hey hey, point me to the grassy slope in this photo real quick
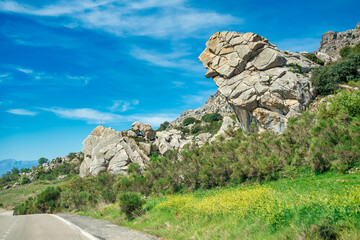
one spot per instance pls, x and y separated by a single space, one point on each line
15 196
305 207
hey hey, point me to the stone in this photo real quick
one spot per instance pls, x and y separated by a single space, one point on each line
131 133
227 123
61 177
16 184
332 42
145 129
108 150
261 83
6 187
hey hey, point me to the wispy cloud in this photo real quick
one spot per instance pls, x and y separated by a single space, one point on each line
169 18
22 112
93 116
123 106
174 59
35 77
25 70
89 115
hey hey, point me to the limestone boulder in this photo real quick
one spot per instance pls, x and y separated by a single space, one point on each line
108 150
145 129
261 83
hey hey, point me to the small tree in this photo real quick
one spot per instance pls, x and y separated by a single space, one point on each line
43 160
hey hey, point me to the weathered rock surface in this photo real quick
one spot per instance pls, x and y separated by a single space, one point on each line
108 150
216 103
227 123
332 42
144 129
263 84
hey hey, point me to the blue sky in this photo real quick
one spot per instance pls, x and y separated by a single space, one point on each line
67 66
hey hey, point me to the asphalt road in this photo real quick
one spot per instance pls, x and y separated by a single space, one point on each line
38 227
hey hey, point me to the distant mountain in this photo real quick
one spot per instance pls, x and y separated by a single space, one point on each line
8 164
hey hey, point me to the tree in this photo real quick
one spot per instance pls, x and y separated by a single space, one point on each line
43 160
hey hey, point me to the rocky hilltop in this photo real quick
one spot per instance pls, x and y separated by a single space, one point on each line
332 42
216 103
263 85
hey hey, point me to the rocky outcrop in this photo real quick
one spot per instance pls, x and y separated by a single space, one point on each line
262 84
332 42
144 130
216 103
108 150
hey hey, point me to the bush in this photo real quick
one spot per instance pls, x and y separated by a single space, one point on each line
163 126
131 204
24 180
188 121
314 58
212 117
43 160
183 130
195 129
345 51
345 101
326 79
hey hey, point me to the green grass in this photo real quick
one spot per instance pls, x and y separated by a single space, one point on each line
307 207
15 196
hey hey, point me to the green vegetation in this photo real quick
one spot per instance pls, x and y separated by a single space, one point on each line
212 117
163 126
131 204
346 51
326 79
188 121
295 68
303 184
43 160
314 58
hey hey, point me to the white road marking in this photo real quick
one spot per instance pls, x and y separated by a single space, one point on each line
83 232
9 230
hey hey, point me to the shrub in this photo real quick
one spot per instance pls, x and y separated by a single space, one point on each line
163 126
345 51
314 58
24 180
195 129
188 121
212 117
183 129
43 160
327 78
131 204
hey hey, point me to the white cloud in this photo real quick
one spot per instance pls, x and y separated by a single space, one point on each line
175 59
22 112
171 18
93 116
25 70
89 115
123 106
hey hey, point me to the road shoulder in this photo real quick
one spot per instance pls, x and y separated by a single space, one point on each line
102 229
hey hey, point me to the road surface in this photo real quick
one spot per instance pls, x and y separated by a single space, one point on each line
63 227
38 227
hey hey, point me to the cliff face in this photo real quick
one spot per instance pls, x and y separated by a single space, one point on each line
263 84
332 42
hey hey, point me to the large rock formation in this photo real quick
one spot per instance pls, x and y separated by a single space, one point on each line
332 42
108 150
261 83
215 103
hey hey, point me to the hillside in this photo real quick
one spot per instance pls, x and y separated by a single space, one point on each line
284 165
